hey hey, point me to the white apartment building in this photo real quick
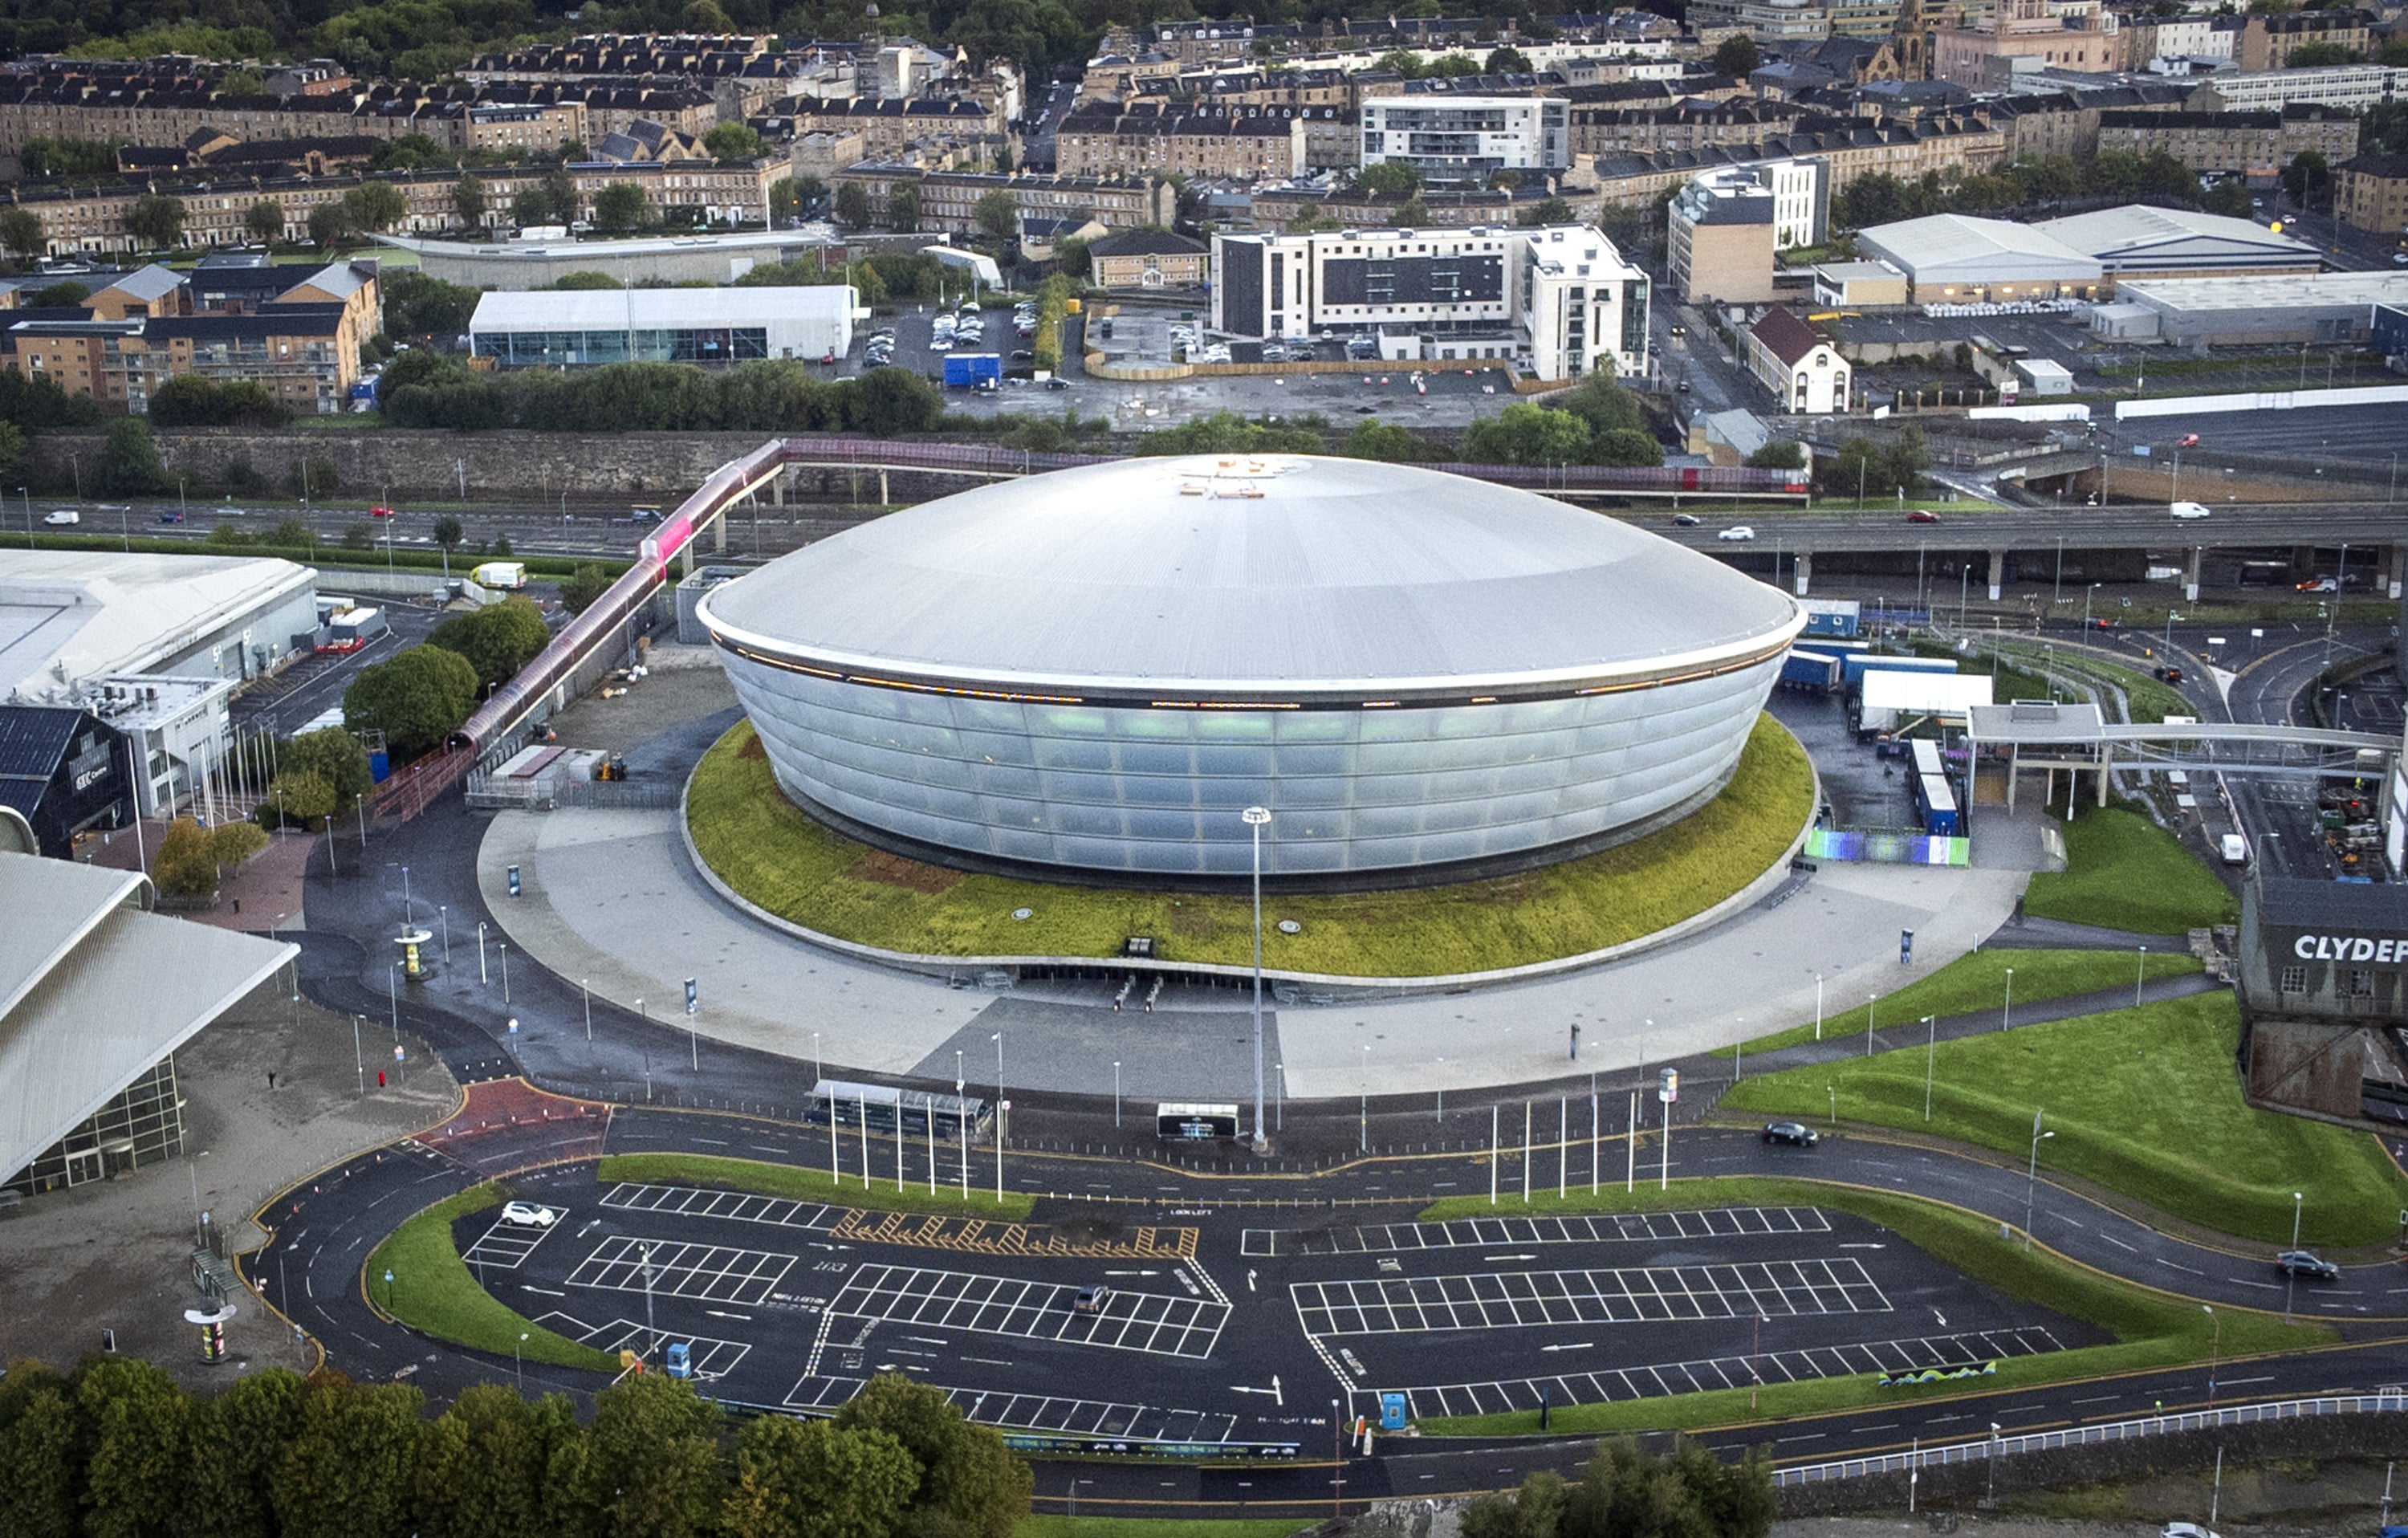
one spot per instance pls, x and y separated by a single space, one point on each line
1468 138
1558 299
2354 86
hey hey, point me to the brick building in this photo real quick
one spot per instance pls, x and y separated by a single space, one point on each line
2371 193
2255 145
1239 143
949 199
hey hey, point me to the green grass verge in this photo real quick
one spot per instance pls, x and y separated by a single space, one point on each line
774 855
434 1291
2123 872
2146 701
805 1184
2143 1101
1979 981
2151 1329
1152 1527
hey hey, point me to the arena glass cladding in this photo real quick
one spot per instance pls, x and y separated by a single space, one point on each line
1097 669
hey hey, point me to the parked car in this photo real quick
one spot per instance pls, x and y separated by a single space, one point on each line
526 1214
1090 1300
1794 1134
2304 1263
2183 1529
1736 533
1057 383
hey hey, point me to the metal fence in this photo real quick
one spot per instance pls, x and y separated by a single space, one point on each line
2386 1402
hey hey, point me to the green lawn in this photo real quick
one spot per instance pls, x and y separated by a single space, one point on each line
2151 1329
2143 1101
2123 872
767 849
1978 981
433 1291
2146 700
803 1184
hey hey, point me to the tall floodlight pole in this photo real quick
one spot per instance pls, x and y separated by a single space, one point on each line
1255 817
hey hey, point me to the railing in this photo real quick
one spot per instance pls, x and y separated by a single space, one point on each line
2387 1401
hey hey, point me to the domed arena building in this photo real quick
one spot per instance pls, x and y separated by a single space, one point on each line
1092 673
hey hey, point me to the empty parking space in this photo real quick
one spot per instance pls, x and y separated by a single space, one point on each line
735 1206
1604 1385
1481 1232
1146 1322
711 1273
711 1358
504 1247
1056 1414
1635 1295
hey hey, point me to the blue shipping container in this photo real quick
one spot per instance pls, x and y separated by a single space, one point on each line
1804 670
964 370
1856 667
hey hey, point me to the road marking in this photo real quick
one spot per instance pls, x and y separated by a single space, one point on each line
2118 1243
2177 1265
2099 1398
530 1286
723 1314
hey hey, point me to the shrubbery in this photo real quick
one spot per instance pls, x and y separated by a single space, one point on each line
779 396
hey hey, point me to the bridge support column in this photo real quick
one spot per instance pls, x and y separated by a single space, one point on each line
2398 573
685 559
2191 573
1802 571
719 535
778 488
1998 570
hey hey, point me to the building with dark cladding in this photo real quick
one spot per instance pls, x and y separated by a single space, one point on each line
64 771
2323 983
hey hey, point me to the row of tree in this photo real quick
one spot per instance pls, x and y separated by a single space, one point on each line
425 390
2111 176
1623 1492
115 1449
420 697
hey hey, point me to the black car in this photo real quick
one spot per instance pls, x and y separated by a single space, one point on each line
1057 383
1795 1134
1090 1300
2302 1263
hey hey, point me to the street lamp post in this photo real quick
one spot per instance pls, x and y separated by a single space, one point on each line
2215 1349
1870 999
2007 1005
1930 1056
1254 817
2291 1277
1116 1093
2140 975
443 911
1818 1006
585 986
1363 1116
2031 1177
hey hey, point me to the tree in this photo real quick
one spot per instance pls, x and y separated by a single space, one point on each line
1600 401
196 400
334 756
483 1466
129 465
903 206
469 200
531 207
1523 434
448 532
21 232
852 204
619 205
156 220
295 798
237 1441
810 1479
786 200
733 140
1413 212
1390 179
374 206
265 219
417 305
649 1467
997 214
185 868
2319 55
1624 446
2309 175
65 294
1737 56
136 1426
1782 453
1507 60
12 452
39 1457
347 1470
330 225
497 639
1550 210
966 1475
416 699
564 200
578 590
1384 441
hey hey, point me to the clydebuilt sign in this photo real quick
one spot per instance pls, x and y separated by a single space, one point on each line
2387 951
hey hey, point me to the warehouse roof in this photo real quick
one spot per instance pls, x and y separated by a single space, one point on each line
1943 246
66 616
93 990
1280 572
603 310
2136 238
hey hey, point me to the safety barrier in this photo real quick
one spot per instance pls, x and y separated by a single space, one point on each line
2387 1401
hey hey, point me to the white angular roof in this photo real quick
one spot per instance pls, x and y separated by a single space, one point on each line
1281 572
93 990
70 615
1944 246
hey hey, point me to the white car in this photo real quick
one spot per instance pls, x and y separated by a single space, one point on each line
2190 509
526 1214
2183 1529
62 517
1737 532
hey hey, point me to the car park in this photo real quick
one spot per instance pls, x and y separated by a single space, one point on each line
1737 532
2306 1264
1793 1134
526 1214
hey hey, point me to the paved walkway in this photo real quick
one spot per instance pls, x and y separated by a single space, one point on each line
609 897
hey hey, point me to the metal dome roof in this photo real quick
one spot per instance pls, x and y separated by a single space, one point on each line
1280 572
